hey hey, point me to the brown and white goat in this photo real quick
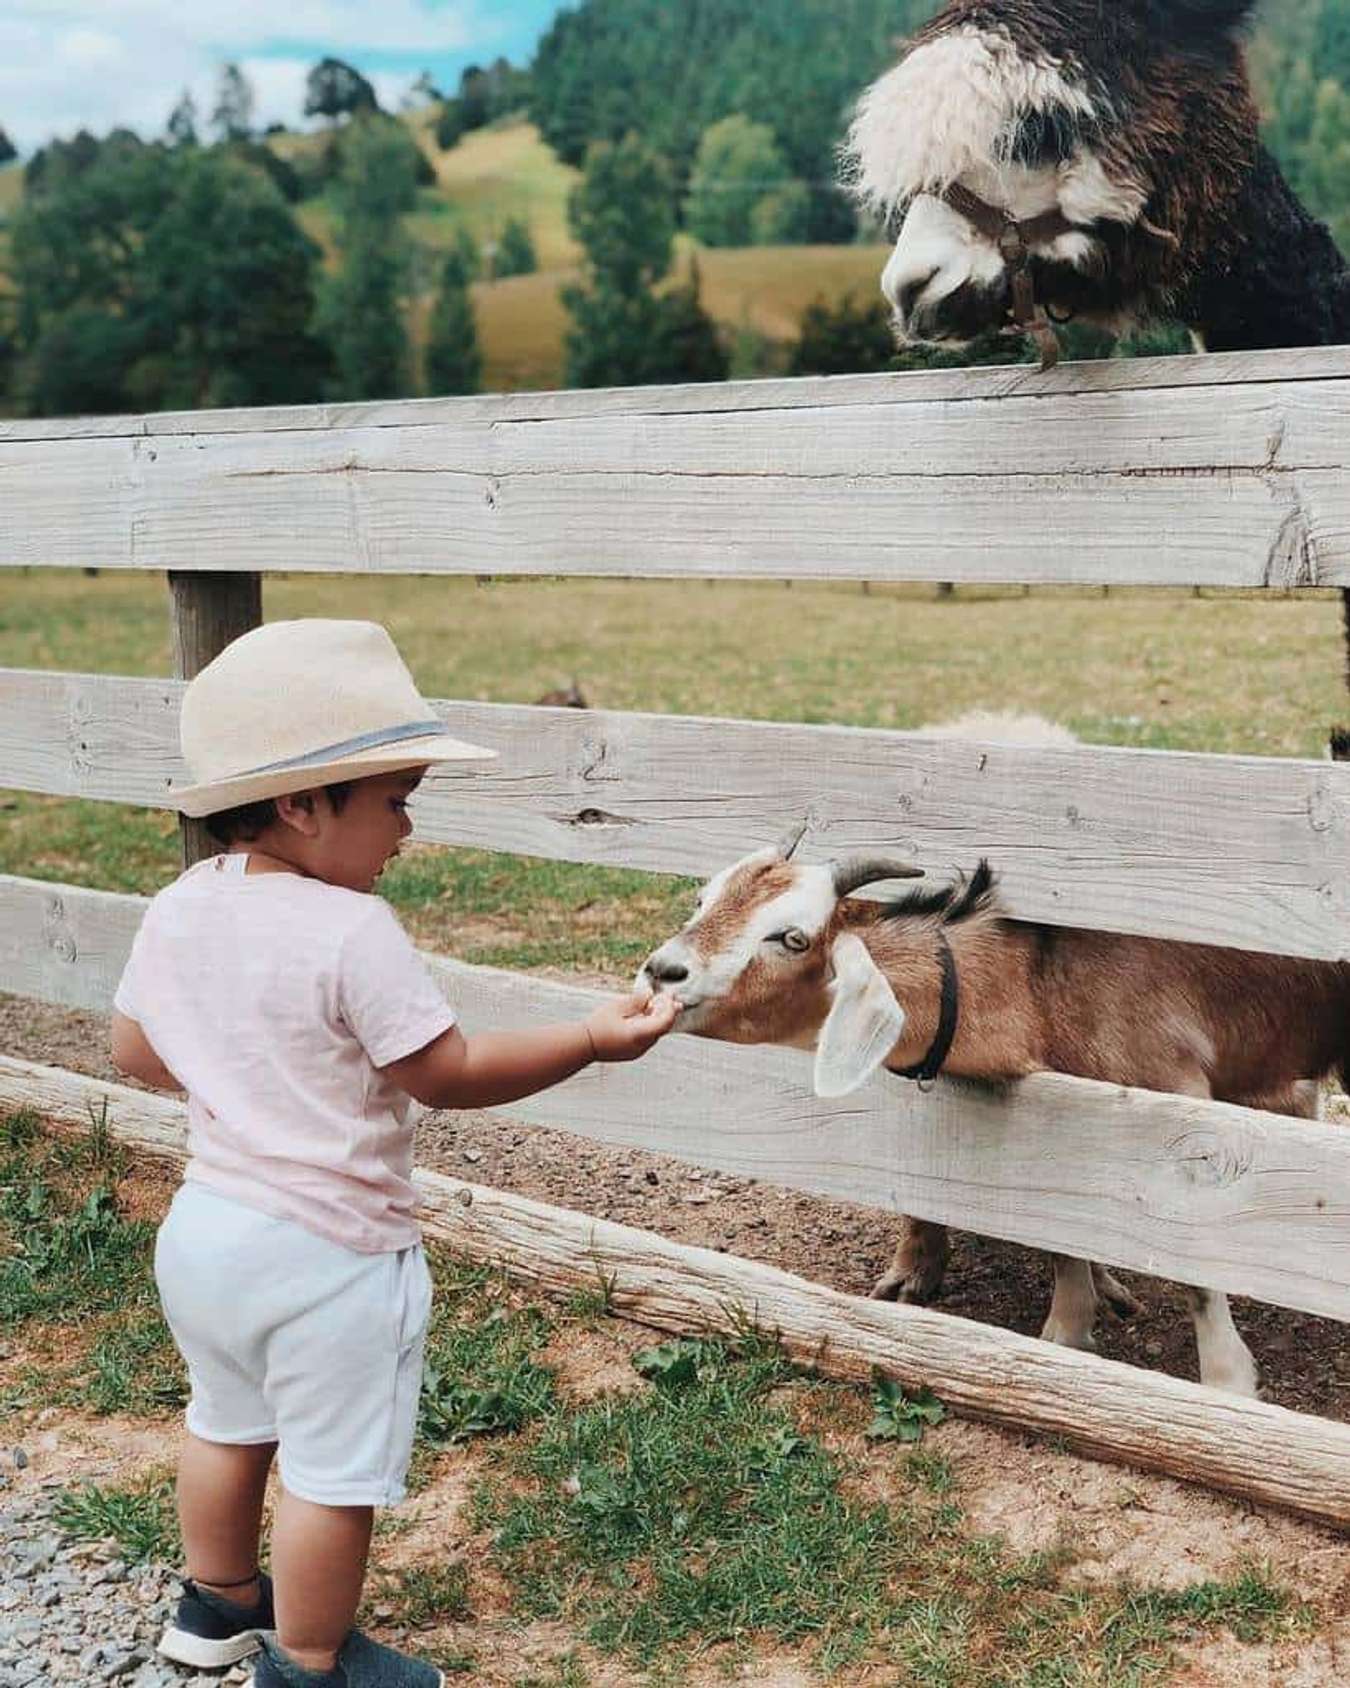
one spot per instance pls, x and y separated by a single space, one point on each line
780 952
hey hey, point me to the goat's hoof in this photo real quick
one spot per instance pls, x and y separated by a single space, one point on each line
1235 1380
1063 1337
909 1289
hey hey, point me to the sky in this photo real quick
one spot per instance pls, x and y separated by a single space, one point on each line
94 64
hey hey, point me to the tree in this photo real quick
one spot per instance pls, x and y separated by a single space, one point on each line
454 363
737 169
8 151
515 251
376 181
423 92
625 333
335 89
363 312
363 321
1326 158
60 161
162 279
844 338
450 126
623 213
182 125
475 98
232 118
782 217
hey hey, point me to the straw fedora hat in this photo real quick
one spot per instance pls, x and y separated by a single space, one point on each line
297 704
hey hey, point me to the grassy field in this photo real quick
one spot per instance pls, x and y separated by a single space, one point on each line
709 1508
1228 673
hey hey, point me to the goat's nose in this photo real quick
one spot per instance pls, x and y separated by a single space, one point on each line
909 292
665 971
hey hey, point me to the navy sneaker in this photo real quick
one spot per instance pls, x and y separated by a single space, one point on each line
362 1663
210 1632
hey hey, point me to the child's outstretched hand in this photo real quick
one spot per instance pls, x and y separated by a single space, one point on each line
628 1026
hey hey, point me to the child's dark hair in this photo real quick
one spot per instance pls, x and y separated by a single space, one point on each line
251 820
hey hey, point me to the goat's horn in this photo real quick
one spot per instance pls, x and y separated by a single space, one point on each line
856 871
787 844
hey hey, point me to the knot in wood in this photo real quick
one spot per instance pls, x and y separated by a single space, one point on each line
56 934
78 717
1208 1160
1321 808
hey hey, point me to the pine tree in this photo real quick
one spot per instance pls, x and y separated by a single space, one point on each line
844 338
233 117
335 89
363 314
182 125
8 151
625 333
515 253
454 363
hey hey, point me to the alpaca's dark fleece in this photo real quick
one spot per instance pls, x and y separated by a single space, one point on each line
1249 267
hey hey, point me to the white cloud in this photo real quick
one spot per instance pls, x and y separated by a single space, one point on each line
67 64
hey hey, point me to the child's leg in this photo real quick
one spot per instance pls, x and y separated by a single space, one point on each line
319 1562
220 1501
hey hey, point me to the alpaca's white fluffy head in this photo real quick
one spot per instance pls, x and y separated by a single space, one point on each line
959 108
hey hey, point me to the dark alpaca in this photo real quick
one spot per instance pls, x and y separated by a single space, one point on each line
1134 120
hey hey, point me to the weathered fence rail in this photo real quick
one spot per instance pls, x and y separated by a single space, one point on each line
1240 850
1124 479
1222 471
1198 1191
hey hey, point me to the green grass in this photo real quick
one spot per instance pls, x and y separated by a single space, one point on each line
140 1518
73 1263
726 1503
704 1513
420 1596
66 1250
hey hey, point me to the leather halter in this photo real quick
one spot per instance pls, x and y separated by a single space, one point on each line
925 1071
1015 240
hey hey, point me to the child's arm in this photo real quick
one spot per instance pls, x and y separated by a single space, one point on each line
492 1068
132 1054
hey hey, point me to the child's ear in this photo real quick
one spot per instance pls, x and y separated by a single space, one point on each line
864 1022
298 809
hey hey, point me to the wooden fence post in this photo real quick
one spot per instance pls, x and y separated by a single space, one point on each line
209 610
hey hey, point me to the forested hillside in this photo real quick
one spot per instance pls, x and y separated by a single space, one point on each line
446 246
672 71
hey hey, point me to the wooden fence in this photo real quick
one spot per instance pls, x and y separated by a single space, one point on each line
1227 471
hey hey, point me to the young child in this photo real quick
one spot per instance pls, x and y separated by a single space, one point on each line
287 1001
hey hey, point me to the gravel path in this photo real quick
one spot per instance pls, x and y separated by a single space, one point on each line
73 1612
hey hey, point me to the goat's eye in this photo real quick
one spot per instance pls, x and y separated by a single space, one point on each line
793 939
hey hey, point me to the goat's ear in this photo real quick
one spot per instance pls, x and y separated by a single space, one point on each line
864 1022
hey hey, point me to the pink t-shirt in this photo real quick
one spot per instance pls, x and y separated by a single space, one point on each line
274 1000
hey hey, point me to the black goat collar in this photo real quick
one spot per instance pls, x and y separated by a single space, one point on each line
948 1016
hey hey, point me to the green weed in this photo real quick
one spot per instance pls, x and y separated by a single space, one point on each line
140 1518
480 1376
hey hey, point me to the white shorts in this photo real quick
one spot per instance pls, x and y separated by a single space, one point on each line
290 1338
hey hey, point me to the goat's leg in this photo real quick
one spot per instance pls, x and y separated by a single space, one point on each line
1073 1311
918 1265
1225 1360
1122 1302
